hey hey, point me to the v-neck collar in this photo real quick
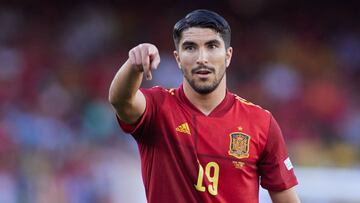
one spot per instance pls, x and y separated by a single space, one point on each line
219 110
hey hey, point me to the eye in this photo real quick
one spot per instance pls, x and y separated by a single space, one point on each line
189 48
212 46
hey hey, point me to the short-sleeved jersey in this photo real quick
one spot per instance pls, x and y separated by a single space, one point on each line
190 157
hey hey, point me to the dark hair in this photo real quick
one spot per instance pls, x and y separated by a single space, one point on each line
204 19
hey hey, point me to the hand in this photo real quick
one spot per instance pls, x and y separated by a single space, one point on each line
145 58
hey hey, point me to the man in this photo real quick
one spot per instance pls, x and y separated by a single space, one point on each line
199 142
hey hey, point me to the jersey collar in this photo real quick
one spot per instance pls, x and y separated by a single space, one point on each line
219 111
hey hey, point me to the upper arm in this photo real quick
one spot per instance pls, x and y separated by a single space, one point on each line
131 111
285 196
275 167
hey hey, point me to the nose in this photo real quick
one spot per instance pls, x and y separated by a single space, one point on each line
202 57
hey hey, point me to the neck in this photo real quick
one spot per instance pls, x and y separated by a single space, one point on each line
206 103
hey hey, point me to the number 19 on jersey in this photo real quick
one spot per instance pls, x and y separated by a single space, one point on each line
212 175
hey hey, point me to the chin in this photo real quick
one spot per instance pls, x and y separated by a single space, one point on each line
204 89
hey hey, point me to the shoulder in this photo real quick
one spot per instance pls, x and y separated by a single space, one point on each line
249 106
158 90
252 111
157 93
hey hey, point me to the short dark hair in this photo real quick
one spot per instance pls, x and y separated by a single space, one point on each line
204 19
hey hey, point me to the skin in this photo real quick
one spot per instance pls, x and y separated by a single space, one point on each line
203 59
285 196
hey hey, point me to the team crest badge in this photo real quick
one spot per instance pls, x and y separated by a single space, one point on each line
239 145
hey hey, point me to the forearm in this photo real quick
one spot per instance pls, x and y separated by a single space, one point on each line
125 84
286 196
124 95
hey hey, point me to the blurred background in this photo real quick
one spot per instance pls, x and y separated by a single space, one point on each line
59 140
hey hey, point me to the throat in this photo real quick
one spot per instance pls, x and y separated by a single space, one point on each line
205 103
205 106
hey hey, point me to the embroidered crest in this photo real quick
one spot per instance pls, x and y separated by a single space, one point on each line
239 145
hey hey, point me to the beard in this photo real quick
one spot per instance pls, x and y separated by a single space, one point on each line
203 86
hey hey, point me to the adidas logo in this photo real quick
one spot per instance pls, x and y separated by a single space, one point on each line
184 128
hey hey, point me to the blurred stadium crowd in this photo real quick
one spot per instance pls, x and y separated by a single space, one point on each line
59 141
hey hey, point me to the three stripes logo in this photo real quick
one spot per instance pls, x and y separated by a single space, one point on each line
184 128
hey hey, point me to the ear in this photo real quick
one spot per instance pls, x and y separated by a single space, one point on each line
228 56
177 57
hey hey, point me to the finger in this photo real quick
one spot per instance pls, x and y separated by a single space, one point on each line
154 58
132 57
137 56
148 75
146 61
155 62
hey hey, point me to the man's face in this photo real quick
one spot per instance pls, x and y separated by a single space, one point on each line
203 58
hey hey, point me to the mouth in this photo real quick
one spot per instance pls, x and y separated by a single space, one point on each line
203 71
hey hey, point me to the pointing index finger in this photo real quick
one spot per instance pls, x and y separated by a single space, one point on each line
155 62
146 62
154 58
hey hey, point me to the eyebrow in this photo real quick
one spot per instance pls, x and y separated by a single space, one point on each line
188 43
215 41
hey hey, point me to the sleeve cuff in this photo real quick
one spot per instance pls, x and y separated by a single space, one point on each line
280 187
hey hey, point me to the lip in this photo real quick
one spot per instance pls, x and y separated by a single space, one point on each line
202 72
203 75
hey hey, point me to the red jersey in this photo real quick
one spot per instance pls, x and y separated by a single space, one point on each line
188 157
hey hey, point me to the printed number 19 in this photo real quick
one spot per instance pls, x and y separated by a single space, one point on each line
211 168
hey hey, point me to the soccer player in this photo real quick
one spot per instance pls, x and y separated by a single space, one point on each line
200 142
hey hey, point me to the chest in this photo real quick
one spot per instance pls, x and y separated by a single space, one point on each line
233 137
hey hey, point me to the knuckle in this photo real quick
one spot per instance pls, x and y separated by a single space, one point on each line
131 52
132 58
